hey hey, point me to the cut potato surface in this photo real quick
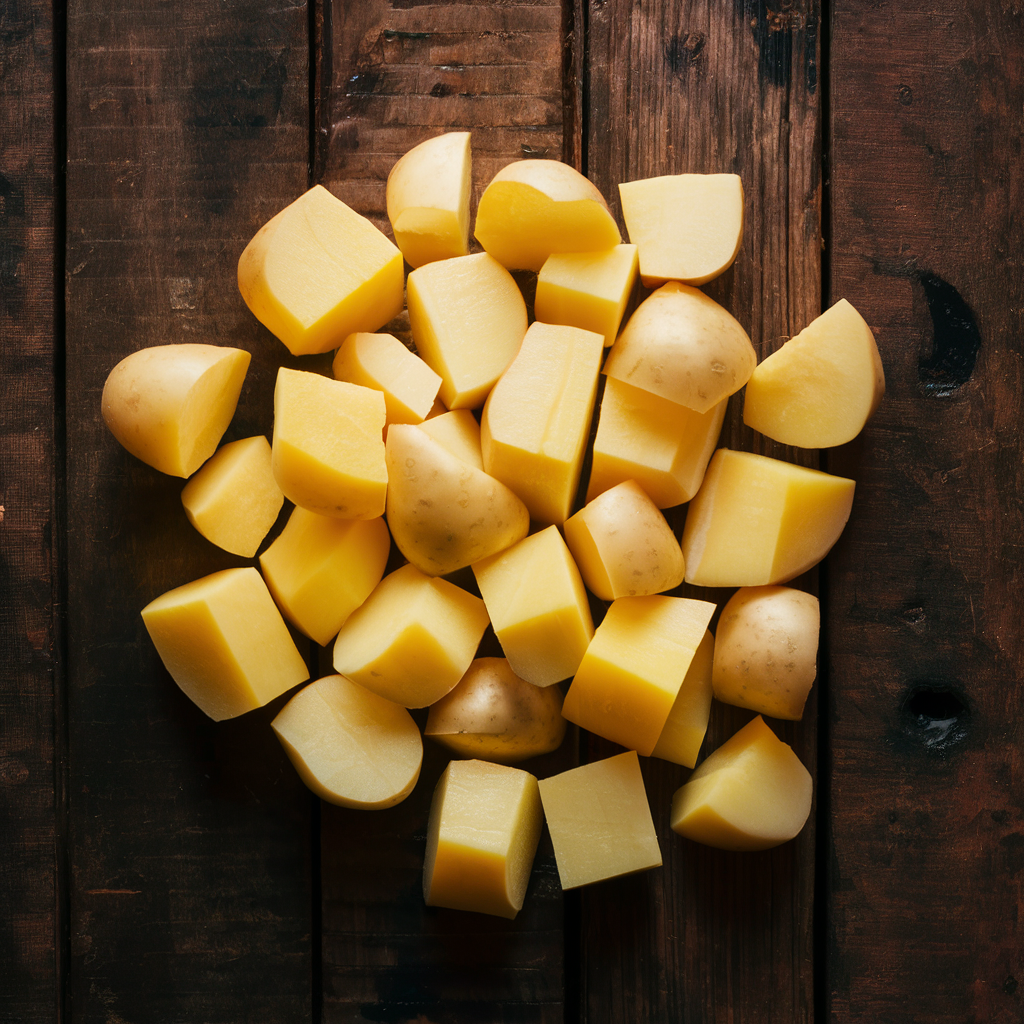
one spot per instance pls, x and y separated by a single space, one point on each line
458 432
687 722
351 747
169 405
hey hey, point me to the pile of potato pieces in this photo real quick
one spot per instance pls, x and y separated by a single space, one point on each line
395 433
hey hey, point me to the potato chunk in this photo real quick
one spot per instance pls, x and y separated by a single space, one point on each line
459 433
687 722
169 405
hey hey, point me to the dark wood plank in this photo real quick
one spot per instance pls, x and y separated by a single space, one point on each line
705 87
30 529
190 840
926 587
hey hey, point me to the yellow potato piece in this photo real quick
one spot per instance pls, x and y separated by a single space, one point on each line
468 319
428 199
538 607
600 821
587 289
413 638
321 569
822 386
766 654
169 405
623 546
328 450
318 272
234 500
633 669
351 747
688 227
752 793
682 345
382 362
459 433
663 446
224 642
482 835
687 722
536 421
533 208
757 520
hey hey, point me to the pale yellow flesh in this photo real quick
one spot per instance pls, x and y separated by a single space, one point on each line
766 651
688 227
320 569
623 545
600 821
318 272
413 639
443 513
169 405
680 344
536 421
687 722
822 386
382 362
351 747
482 835
587 289
458 432
538 606
328 450
758 520
428 195
752 793
234 500
633 669
224 642
665 447
494 715
468 319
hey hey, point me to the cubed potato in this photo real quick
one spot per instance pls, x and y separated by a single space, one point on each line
633 669
318 272
328 450
413 639
758 520
600 821
351 747
587 289
766 654
224 642
688 227
382 362
234 500
468 318
536 421
752 793
428 199
623 545
822 386
459 433
169 405
538 607
533 208
321 569
687 723
665 447
482 835
494 715
684 346
443 513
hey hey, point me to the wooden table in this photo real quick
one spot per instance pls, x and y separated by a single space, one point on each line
158 867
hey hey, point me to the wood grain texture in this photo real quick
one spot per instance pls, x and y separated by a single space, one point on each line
710 88
191 889
927 586
30 528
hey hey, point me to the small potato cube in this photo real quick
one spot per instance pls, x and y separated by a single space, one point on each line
687 724
234 500
482 835
224 642
600 821
321 569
